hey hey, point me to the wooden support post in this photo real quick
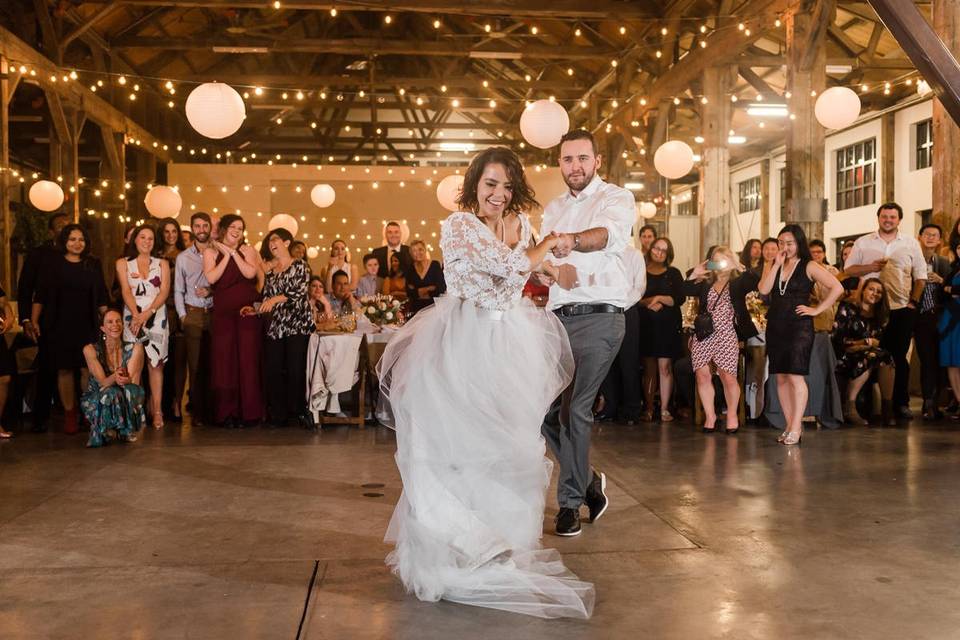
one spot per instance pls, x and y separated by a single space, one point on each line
764 199
806 27
616 163
716 115
67 122
888 155
946 132
146 174
6 250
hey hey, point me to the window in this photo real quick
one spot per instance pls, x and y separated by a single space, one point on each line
783 194
924 144
685 208
749 195
857 175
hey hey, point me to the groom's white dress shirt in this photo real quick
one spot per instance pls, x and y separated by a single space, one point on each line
602 274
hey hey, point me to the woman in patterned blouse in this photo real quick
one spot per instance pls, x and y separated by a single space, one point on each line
285 349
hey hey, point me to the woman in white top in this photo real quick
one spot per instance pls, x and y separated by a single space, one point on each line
145 284
339 262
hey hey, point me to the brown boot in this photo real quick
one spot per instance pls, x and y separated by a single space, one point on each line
886 411
850 415
70 425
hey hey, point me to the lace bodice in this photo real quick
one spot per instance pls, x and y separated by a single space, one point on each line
480 268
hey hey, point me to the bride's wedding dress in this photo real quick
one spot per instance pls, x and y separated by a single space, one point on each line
466 384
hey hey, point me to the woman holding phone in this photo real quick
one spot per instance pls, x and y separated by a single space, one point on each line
790 322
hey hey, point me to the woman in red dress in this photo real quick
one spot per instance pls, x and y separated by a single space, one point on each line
232 268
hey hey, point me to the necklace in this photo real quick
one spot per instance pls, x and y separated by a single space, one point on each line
781 283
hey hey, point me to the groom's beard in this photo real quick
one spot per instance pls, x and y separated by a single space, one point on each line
579 183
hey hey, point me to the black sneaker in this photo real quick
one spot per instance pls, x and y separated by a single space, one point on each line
597 501
904 412
568 522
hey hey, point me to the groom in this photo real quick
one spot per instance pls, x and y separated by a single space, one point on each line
593 220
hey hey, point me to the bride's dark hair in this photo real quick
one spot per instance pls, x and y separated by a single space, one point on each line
523 197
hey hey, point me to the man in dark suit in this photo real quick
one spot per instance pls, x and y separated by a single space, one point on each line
393 234
26 286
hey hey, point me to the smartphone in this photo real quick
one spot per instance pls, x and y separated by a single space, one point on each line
716 265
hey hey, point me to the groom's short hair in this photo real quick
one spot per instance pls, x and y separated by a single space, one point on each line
581 134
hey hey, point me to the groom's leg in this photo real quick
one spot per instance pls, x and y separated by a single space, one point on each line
551 428
595 340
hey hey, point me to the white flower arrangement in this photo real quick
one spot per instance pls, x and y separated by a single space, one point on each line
381 309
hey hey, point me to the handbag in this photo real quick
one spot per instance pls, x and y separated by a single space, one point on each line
703 323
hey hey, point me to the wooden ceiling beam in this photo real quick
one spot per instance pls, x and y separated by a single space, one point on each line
408 83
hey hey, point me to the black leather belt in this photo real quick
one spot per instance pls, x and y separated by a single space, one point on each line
569 310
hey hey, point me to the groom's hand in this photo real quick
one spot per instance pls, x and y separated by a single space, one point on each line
564 245
567 276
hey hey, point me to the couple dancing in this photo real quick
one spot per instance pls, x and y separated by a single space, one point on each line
467 384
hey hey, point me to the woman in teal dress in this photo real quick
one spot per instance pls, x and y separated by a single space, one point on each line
113 403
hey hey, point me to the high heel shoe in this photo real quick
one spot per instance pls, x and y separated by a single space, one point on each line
158 421
730 431
792 437
4 434
712 429
666 416
782 437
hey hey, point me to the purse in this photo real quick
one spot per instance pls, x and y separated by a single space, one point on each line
703 323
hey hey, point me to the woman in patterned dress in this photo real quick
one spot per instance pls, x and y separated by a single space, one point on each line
722 294
113 403
857 328
288 335
790 322
145 284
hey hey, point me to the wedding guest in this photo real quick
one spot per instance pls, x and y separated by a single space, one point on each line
192 297
949 327
845 252
232 268
790 332
769 249
856 341
339 262
661 322
175 370
722 294
393 235
646 235
822 323
8 364
395 284
953 241
752 255
342 300
69 299
49 252
186 237
898 261
145 284
925 333
288 333
298 250
424 279
113 402
369 283
319 304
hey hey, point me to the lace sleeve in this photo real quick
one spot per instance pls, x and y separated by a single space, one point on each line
462 238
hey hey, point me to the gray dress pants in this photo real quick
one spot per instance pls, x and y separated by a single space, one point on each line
595 340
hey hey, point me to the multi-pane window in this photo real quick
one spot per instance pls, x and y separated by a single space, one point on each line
924 147
749 195
857 174
783 194
686 208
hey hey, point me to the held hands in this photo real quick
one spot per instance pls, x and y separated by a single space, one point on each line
247 311
202 292
934 278
122 377
222 248
32 331
564 245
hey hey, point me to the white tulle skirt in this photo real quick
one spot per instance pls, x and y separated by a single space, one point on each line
466 390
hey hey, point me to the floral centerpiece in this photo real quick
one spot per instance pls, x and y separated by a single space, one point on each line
758 310
381 309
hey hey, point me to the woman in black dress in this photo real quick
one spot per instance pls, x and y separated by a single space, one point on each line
8 364
790 322
661 325
74 295
424 278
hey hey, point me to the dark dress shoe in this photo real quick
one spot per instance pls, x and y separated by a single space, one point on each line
568 522
903 412
596 498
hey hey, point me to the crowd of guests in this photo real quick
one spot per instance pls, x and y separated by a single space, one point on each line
887 290
199 310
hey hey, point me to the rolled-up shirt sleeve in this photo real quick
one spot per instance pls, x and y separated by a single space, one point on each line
617 216
179 288
919 264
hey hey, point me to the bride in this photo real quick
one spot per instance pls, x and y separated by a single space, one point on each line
466 384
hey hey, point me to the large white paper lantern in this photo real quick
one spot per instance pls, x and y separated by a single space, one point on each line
837 107
543 123
215 110
647 209
323 195
163 202
448 190
312 252
284 221
46 195
674 159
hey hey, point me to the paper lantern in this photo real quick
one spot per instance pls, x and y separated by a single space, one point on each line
837 107
215 110
674 159
46 195
284 221
323 195
312 252
647 209
448 190
163 202
543 124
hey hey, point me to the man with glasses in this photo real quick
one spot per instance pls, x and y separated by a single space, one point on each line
926 335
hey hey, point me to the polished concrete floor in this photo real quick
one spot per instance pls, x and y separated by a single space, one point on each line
206 533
